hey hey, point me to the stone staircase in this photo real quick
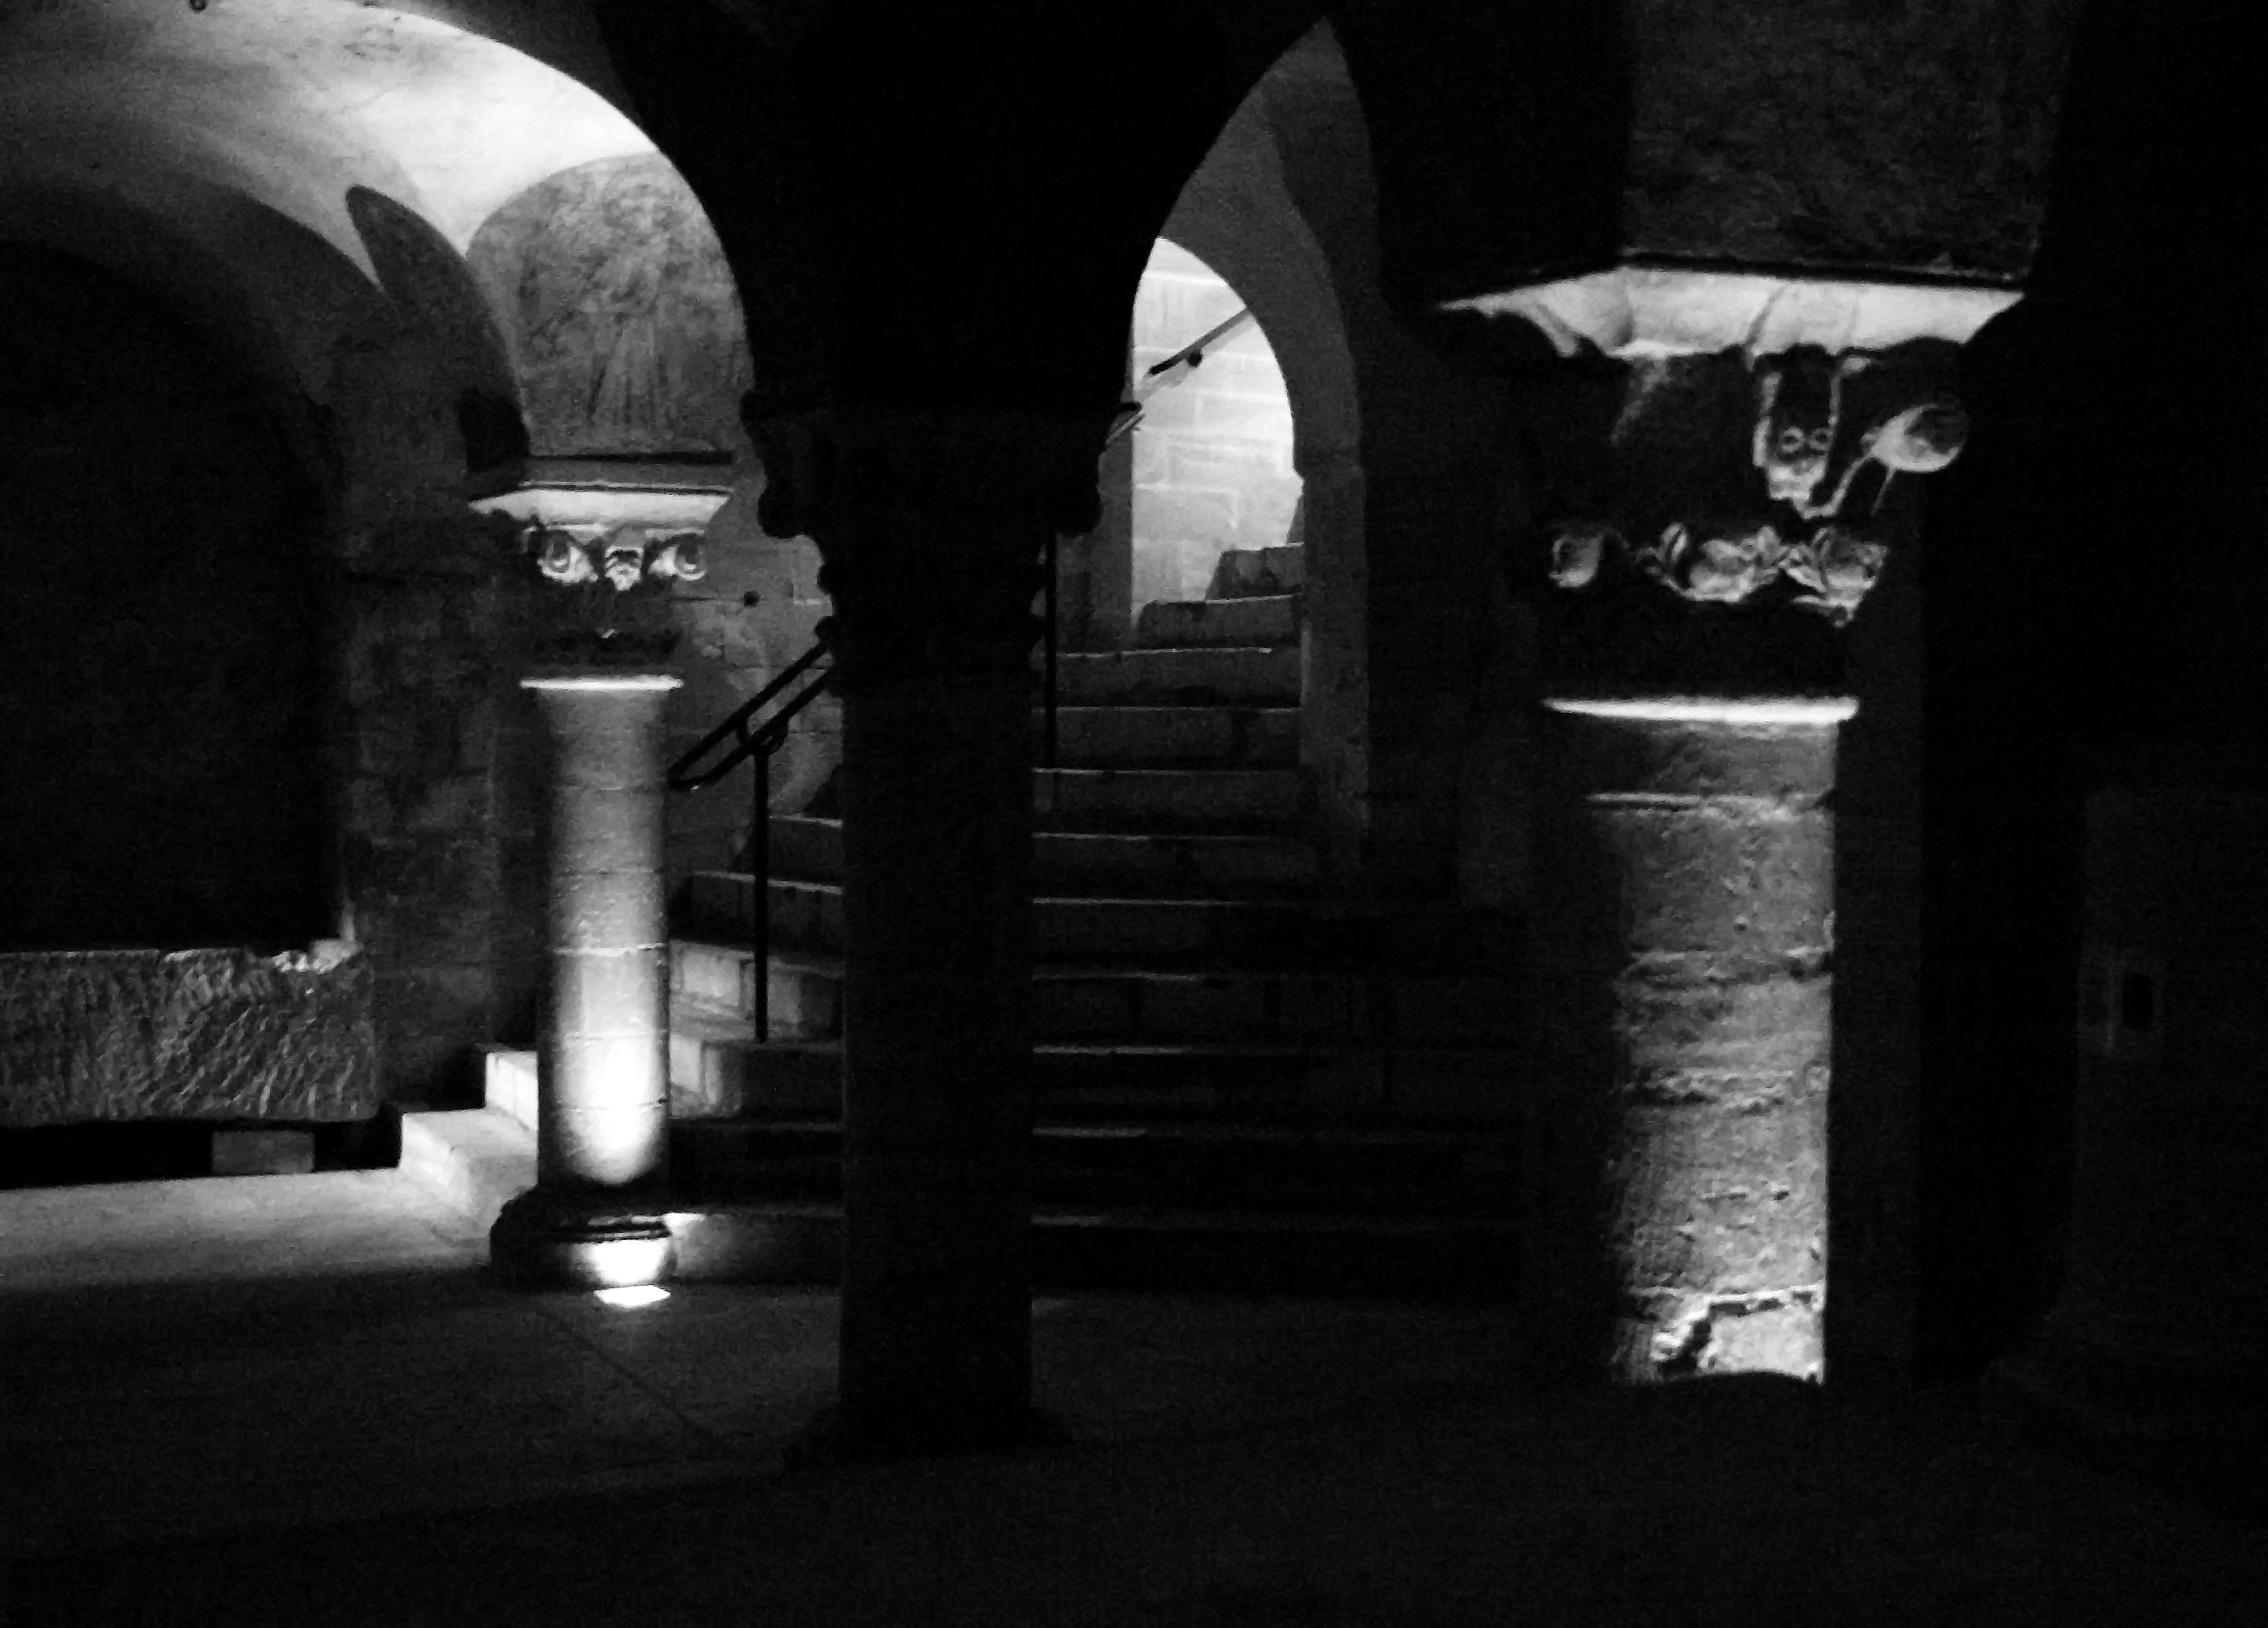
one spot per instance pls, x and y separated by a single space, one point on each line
1239 1084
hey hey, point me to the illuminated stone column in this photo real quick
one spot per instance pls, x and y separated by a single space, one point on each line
1685 905
594 1217
1722 473
608 541
933 526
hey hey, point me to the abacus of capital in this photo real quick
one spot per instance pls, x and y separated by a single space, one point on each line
609 545
1727 471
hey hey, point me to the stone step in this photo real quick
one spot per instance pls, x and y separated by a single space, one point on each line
1243 572
1219 677
1113 863
806 916
1119 1004
1247 1170
475 1159
1238 737
718 1071
1150 800
806 991
1262 620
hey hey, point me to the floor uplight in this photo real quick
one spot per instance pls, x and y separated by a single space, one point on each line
637 1294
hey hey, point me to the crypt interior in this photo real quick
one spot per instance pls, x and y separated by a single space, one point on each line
1526 655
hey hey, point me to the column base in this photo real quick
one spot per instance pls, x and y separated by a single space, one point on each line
546 1240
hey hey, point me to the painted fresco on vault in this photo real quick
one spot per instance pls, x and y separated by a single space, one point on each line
620 311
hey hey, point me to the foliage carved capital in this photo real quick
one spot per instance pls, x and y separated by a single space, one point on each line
1717 519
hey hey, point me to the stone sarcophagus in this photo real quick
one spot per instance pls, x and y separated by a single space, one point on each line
201 1034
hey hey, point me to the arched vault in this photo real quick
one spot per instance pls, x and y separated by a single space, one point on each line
300 175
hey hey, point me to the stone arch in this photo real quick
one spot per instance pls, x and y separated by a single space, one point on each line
1213 449
1236 214
302 182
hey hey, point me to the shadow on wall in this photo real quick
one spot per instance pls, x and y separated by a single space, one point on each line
1212 457
424 277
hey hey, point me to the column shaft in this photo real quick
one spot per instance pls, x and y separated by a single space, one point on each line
934 523
937 817
1684 900
602 1079
603 1072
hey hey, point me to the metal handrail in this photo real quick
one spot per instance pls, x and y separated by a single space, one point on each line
736 728
755 742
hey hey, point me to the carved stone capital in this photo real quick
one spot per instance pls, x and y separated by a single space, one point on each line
614 534
1713 521
621 556
932 523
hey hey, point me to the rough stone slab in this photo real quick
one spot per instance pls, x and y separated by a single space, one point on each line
205 1034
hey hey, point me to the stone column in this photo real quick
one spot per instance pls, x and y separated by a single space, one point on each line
595 1217
602 1072
933 526
1685 901
1721 476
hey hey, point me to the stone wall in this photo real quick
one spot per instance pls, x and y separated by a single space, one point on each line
1212 460
1237 214
438 844
1437 644
750 617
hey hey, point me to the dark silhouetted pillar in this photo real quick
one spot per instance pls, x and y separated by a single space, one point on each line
933 526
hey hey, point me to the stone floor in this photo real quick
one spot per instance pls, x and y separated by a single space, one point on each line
296 1400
